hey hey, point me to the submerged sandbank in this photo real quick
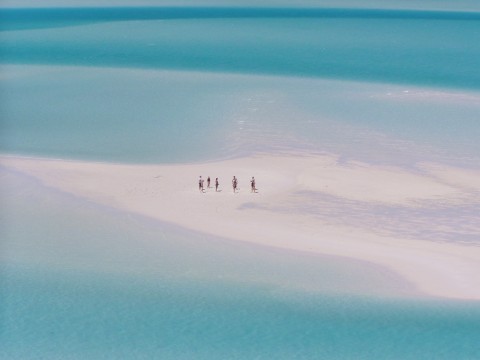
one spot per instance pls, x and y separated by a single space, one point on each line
308 202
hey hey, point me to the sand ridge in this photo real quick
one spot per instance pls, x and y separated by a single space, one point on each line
305 202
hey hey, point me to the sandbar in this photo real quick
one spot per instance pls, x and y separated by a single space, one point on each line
305 202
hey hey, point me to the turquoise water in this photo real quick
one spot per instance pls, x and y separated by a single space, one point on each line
149 116
419 47
60 315
153 85
157 84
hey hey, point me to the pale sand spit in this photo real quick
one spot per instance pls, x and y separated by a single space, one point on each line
305 202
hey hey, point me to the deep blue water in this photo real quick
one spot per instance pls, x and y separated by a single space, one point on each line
433 48
24 18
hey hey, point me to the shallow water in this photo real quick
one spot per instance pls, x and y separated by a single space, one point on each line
106 90
82 281
79 316
149 116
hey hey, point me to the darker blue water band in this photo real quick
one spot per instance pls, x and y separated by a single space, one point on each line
18 16
427 48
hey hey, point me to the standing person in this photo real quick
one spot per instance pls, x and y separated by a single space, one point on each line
200 184
234 184
208 182
252 183
216 184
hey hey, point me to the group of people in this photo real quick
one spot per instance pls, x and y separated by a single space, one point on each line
201 181
201 187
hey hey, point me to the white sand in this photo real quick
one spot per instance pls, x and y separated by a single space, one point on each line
294 207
